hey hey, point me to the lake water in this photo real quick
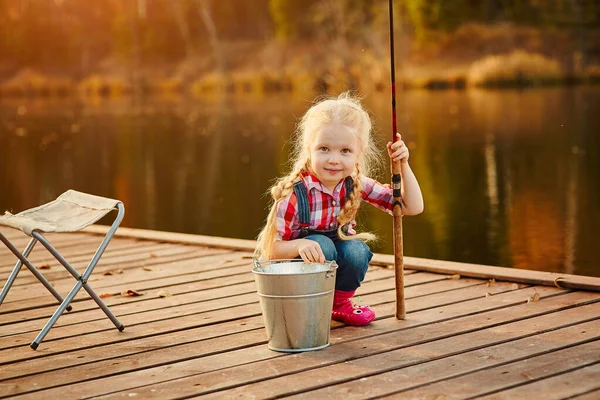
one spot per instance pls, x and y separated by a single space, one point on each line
510 178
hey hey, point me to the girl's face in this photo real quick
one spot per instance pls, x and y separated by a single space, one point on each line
333 154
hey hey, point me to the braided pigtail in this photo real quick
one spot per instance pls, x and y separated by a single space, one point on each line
279 191
348 212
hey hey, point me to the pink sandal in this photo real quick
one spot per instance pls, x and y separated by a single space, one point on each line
345 311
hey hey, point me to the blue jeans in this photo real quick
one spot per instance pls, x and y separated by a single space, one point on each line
351 256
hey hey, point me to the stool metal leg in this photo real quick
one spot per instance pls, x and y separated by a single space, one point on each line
81 279
23 259
36 342
34 345
103 306
15 271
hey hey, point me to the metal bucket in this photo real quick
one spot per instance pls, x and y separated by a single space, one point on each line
296 300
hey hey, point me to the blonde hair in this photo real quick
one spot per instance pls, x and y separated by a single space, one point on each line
346 110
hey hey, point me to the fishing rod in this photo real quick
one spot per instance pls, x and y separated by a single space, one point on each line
396 186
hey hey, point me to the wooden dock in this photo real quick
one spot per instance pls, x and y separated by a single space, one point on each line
196 330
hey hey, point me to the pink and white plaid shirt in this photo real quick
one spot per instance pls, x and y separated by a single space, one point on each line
325 206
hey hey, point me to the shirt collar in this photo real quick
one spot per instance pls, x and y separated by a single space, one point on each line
312 182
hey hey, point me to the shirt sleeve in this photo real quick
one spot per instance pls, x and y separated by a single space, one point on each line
288 224
377 194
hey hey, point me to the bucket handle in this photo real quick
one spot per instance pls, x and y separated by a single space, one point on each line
331 272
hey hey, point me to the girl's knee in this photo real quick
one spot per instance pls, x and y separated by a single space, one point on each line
327 246
356 252
353 261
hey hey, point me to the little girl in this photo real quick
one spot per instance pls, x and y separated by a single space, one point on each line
312 216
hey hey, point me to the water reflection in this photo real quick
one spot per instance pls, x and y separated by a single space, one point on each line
509 178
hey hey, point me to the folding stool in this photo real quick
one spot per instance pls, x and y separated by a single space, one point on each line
70 212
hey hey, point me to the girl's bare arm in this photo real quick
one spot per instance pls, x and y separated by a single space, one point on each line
308 250
412 199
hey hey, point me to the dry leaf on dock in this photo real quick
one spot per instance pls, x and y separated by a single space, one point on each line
164 293
455 276
113 272
45 266
105 295
491 282
131 293
527 375
147 268
534 299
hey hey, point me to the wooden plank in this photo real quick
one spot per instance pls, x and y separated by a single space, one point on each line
68 249
444 267
171 353
101 282
429 371
172 237
156 281
352 361
101 324
61 243
566 281
272 367
247 312
78 390
84 245
593 394
98 322
142 251
123 261
69 254
54 271
229 282
416 291
175 345
520 372
132 262
562 386
222 298
79 262
452 329
58 239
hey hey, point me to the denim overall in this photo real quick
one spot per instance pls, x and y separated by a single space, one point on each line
352 256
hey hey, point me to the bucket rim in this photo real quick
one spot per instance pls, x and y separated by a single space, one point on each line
331 264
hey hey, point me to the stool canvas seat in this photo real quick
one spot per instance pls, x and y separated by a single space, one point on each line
70 212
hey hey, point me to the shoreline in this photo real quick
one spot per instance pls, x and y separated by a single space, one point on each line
260 84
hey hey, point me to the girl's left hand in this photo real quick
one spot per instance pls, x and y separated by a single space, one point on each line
398 150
